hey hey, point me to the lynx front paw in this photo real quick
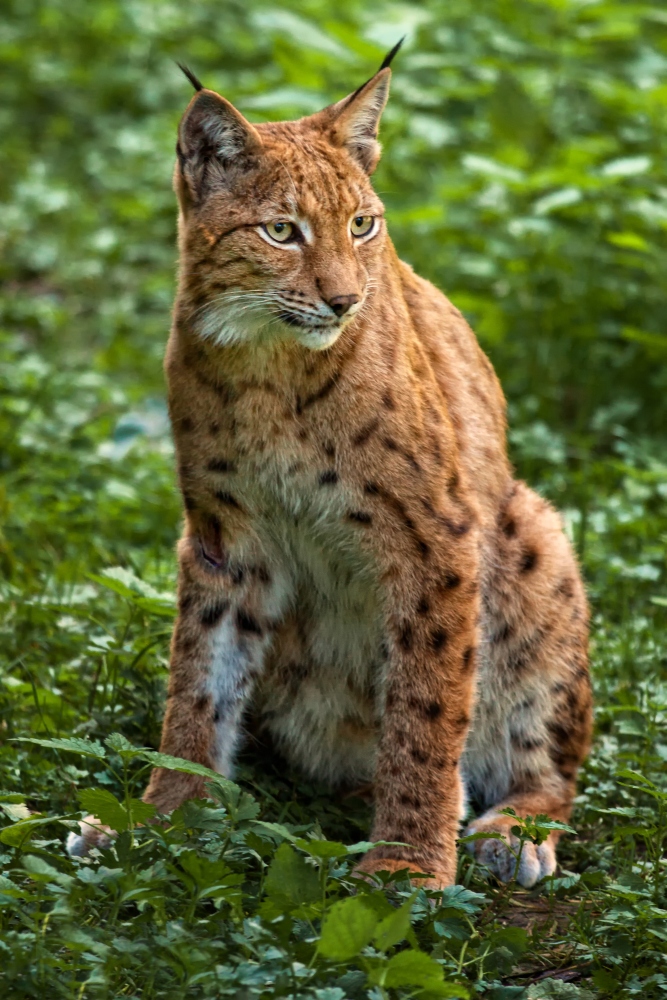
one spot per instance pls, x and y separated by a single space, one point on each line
532 865
371 866
92 834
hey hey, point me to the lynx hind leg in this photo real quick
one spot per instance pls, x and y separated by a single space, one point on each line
533 720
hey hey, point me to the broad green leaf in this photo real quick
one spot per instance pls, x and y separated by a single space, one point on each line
395 927
89 748
347 927
120 744
19 834
290 875
41 871
186 767
415 968
558 990
106 807
322 848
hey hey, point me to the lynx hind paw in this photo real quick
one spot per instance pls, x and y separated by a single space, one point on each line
92 834
535 862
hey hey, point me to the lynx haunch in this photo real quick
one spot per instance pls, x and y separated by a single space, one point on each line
360 576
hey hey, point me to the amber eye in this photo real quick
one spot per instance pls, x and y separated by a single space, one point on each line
281 232
361 225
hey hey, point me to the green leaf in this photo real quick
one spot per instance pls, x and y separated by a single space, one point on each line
415 968
558 990
395 927
120 744
348 926
106 807
89 748
186 767
41 871
290 876
322 848
19 833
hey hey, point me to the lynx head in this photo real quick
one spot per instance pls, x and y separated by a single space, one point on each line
280 230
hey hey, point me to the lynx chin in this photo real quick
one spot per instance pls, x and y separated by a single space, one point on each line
361 580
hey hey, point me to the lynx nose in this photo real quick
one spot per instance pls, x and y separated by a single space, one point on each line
342 303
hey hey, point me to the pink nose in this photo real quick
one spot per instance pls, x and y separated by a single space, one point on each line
342 303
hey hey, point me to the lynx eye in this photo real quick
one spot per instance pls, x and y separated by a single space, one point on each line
281 232
361 225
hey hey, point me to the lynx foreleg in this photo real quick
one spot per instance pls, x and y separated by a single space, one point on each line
428 704
218 651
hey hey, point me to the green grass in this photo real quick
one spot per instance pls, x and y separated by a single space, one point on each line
524 172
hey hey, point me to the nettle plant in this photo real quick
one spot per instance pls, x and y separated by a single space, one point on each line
279 896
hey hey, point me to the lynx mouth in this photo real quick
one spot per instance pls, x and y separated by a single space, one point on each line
291 319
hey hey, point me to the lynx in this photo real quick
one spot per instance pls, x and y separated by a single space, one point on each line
360 577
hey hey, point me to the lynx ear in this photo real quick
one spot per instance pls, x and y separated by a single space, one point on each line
213 139
357 119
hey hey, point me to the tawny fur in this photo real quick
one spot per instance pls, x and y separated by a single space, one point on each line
359 572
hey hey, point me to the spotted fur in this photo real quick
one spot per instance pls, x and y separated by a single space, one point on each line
360 576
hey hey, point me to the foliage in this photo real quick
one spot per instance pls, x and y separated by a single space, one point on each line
524 174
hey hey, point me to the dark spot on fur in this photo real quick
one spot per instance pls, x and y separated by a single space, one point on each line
321 393
433 710
360 516
528 561
438 638
412 801
462 722
509 528
419 756
186 425
503 633
189 502
565 588
223 497
328 449
423 607
202 703
184 643
221 465
213 613
560 732
216 716
328 477
185 602
388 401
237 574
452 580
525 742
247 623
405 637
462 528
213 427
261 573
468 658
362 436
390 444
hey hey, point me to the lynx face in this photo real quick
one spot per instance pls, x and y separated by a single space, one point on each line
282 230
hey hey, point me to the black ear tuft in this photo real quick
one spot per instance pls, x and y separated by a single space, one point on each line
196 83
389 56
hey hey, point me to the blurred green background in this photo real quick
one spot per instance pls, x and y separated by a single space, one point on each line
524 173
